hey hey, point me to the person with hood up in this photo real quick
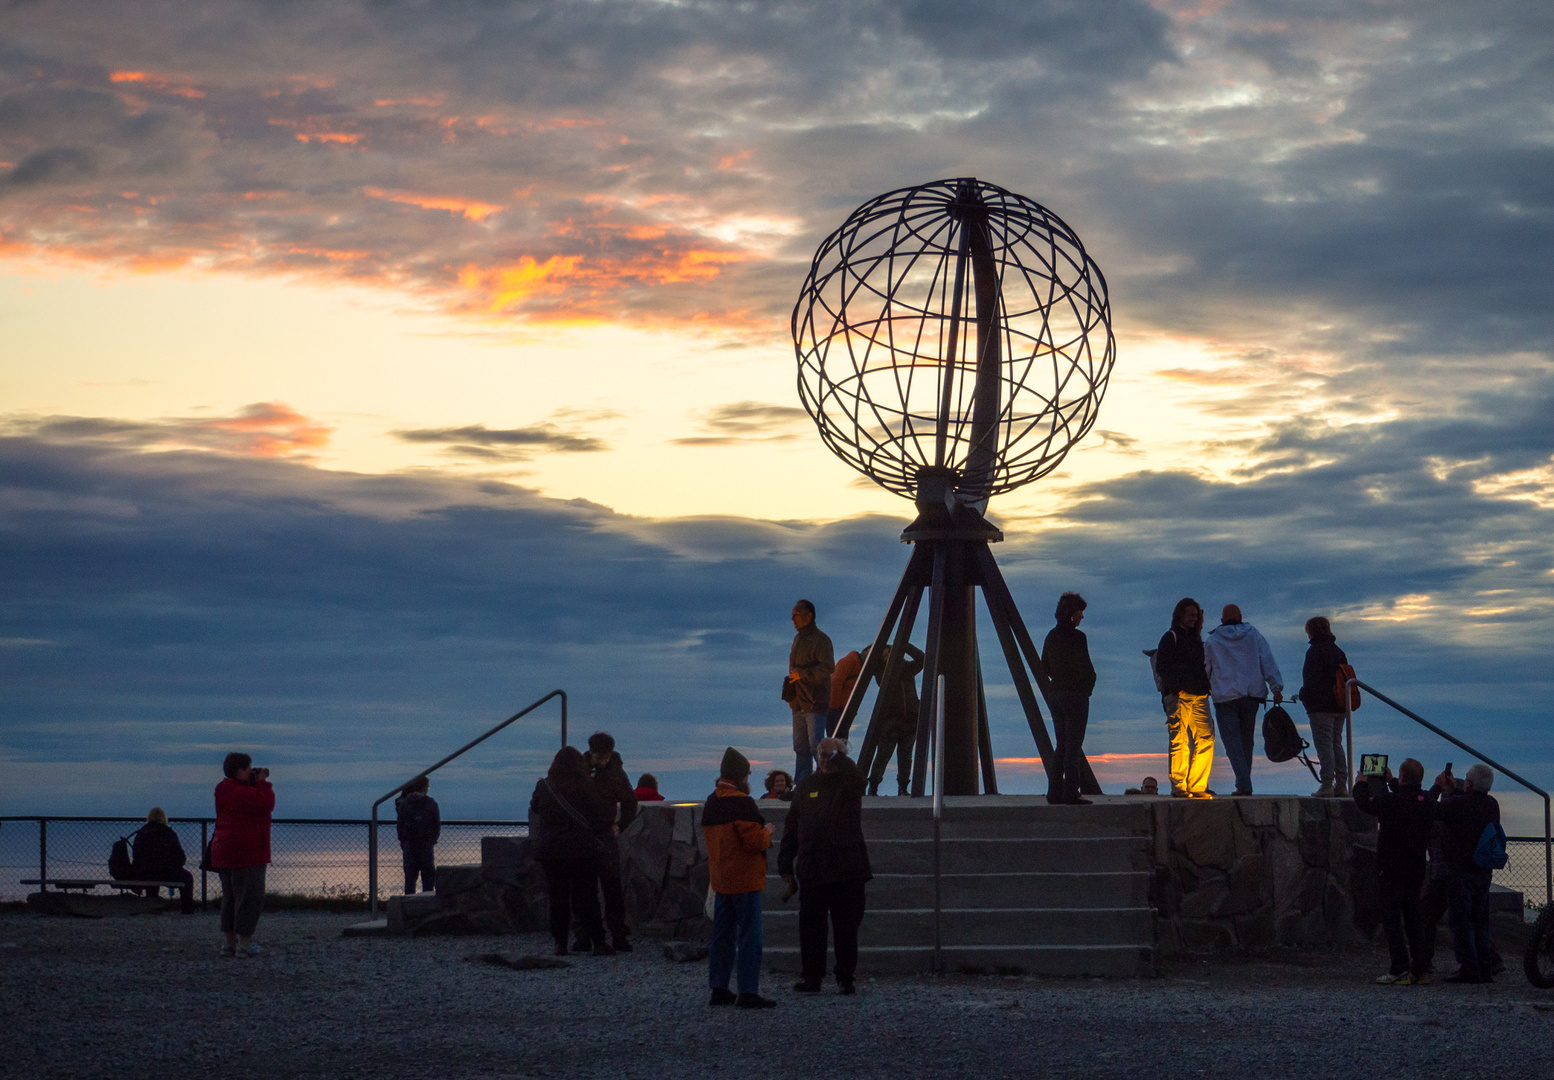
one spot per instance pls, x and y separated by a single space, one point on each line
567 815
609 777
737 838
1241 674
418 821
1184 688
1324 712
823 845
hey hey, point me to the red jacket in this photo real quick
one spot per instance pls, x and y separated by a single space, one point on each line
647 794
242 836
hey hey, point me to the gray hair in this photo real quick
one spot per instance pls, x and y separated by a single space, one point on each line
1480 777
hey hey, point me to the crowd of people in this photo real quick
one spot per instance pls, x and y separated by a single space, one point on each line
1232 670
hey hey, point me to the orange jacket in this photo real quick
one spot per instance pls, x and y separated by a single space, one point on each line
846 673
737 839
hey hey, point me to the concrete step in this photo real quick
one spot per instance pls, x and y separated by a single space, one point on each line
1115 961
989 817
1008 855
1117 889
991 927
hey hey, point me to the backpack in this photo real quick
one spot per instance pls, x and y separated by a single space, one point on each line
412 814
121 866
1341 687
1490 852
1281 739
1153 670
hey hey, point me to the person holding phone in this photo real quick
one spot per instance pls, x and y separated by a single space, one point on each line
240 850
1406 812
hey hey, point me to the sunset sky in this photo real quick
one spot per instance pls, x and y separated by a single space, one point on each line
369 370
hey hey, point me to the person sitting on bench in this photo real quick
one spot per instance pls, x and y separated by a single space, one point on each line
160 857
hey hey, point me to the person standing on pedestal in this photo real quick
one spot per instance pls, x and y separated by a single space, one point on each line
898 721
1184 686
1324 712
843 679
808 687
823 845
737 839
1241 673
1066 656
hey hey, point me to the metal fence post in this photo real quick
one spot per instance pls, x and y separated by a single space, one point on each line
204 873
372 864
43 854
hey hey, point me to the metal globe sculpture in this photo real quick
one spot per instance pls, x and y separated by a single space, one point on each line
954 342
953 325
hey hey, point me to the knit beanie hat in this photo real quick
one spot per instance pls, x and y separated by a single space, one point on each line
735 767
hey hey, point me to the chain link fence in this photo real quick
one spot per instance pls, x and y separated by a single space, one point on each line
316 858
326 858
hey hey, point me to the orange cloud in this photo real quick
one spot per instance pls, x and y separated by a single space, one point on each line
269 429
468 208
511 285
574 288
164 84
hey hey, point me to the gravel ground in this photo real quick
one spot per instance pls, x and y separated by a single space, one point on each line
148 996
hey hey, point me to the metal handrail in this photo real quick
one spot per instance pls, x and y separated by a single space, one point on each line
372 836
1548 832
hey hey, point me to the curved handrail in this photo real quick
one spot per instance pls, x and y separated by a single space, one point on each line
372 837
1548 832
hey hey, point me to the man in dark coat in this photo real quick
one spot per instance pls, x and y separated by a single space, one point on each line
1466 814
1406 813
159 856
807 690
418 821
609 777
1066 656
823 845
897 734
1184 688
1324 712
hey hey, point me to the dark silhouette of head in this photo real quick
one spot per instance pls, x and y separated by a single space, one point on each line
568 765
235 763
1319 629
1069 605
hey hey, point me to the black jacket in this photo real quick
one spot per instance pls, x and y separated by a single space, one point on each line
1317 675
615 789
158 854
1406 814
1179 662
822 840
1066 656
898 708
556 834
417 819
1465 813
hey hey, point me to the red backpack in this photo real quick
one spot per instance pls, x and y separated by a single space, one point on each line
1341 687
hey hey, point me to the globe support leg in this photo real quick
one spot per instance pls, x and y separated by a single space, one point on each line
891 675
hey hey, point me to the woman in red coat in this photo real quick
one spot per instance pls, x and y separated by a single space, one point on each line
240 850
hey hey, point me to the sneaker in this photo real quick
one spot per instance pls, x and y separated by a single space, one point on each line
755 1001
1390 979
1464 976
1340 791
1421 980
802 987
251 949
1239 794
1200 794
723 996
1179 793
227 950
1323 792
604 948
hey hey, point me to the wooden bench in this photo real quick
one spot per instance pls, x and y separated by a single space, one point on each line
88 884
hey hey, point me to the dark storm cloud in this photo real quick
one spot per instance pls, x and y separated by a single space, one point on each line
354 627
748 421
506 444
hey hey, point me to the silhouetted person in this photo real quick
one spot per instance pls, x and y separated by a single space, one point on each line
1184 687
737 838
1241 674
647 789
1465 814
609 777
897 734
1324 712
1066 657
159 856
808 687
823 846
1406 812
418 821
240 850
566 816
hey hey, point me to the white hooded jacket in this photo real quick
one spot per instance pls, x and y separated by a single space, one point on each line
1239 662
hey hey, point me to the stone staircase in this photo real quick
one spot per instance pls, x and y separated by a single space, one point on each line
1027 887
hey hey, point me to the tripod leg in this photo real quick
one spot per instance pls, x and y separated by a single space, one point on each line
925 711
889 678
914 568
984 736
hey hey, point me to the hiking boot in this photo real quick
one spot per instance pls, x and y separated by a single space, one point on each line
1323 792
1180 793
1391 979
874 788
755 1001
802 987
1340 790
723 996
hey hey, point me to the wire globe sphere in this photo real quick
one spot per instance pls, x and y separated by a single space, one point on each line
953 325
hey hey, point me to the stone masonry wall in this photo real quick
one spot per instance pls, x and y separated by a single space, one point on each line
1258 872
665 875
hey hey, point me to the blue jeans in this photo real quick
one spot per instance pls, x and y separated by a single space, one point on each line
736 927
808 730
419 864
1238 730
1070 716
1327 735
1468 908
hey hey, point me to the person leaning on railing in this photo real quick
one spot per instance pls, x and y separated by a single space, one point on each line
240 850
